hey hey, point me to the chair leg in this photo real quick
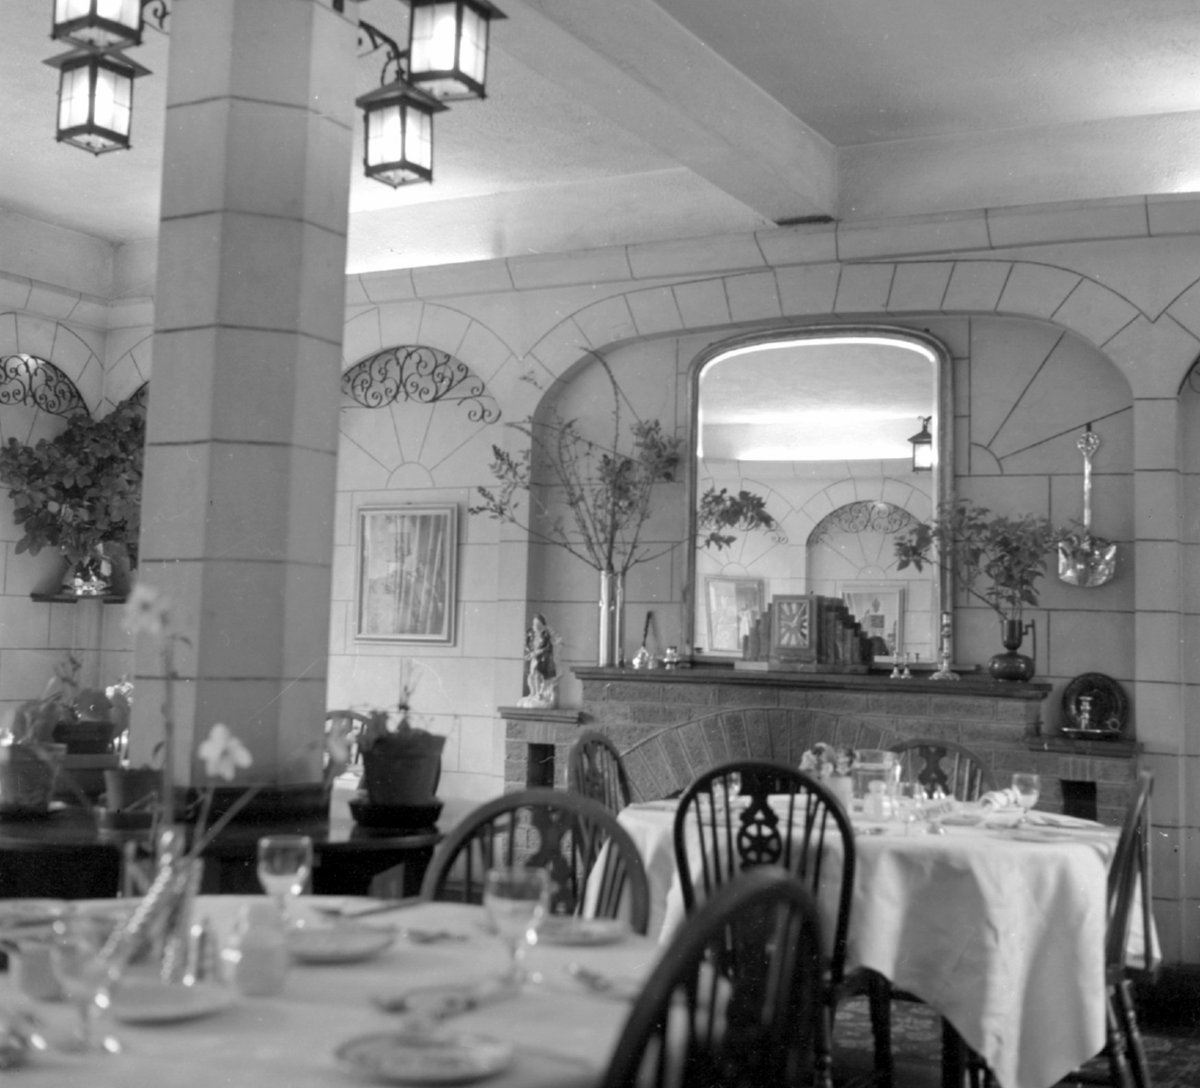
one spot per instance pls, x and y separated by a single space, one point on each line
1135 1051
1118 1060
954 1057
879 999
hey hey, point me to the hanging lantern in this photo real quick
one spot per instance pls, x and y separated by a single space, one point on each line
100 24
398 134
95 98
922 447
448 45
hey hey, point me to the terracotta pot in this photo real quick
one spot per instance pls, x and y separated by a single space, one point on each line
403 768
28 773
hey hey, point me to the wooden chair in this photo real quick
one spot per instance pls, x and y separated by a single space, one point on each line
1129 891
945 765
755 1020
595 769
594 865
787 818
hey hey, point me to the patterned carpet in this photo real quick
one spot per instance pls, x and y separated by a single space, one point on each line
1173 1054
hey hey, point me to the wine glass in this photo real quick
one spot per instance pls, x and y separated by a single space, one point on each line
284 865
87 970
1028 786
516 899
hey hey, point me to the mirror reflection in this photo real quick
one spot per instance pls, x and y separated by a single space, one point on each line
819 424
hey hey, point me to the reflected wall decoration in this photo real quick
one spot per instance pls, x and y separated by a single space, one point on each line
879 609
733 606
406 574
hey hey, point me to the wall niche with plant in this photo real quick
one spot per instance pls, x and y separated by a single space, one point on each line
80 493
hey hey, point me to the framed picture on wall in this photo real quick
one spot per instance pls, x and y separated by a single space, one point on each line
406 573
879 608
733 604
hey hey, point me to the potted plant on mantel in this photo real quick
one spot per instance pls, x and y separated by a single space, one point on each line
81 493
994 558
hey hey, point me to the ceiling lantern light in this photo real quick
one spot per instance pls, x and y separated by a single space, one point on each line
398 134
922 447
448 45
95 99
99 24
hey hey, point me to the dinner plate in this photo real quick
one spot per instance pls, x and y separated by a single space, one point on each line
1039 834
425 1057
567 930
346 942
151 1001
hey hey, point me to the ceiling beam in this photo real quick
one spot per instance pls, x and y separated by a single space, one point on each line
630 61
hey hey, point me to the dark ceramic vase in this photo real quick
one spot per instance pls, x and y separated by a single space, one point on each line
403 768
1011 665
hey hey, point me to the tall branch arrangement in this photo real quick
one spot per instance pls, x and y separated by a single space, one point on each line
606 492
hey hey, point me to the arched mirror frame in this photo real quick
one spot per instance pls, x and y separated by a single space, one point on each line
942 426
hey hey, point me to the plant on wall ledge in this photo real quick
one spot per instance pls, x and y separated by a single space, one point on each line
80 489
606 492
719 512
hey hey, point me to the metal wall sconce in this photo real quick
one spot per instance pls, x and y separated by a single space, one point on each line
922 447
95 98
446 60
95 85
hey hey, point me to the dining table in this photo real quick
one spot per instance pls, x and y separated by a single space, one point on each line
432 975
995 923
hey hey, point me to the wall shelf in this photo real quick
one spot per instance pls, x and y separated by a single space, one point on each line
72 598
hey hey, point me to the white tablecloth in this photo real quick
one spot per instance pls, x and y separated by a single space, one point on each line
563 1033
1004 937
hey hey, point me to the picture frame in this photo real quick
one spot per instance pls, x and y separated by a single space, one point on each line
407 573
879 608
732 605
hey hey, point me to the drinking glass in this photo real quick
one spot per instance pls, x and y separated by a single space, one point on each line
516 899
284 865
87 972
1028 786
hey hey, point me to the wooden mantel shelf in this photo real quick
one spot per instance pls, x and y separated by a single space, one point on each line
969 685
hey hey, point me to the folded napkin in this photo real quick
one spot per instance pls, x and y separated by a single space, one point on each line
1005 798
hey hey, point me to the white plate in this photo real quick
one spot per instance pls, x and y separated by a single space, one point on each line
345 942
567 930
425 1057
1039 834
149 1001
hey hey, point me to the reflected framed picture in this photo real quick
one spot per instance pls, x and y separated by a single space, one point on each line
732 606
406 573
879 609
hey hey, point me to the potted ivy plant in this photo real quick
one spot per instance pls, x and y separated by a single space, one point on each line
997 559
81 493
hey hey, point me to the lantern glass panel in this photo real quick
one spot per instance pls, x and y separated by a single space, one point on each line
99 22
114 101
434 38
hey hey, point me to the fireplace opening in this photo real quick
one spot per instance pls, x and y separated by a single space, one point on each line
539 766
1079 799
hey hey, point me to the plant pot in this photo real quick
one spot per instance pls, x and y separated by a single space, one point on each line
403 768
28 773
86 738
1010 665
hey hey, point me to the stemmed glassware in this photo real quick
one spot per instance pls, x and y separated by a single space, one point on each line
285 863
1028 787
87 970
516 899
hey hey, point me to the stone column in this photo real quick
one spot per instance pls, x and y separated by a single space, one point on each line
242 422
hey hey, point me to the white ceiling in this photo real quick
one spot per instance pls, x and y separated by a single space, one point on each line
616 121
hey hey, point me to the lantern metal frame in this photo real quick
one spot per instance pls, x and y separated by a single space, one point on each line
454 82
922 447
93 30
86 135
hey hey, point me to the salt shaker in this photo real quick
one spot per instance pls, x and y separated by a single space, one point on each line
257 957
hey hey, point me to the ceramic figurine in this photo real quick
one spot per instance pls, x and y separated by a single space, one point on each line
541 679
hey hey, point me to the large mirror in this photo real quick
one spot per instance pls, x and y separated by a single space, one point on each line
818 422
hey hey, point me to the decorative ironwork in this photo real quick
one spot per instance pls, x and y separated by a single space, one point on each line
420 374
26 379
158 10
864 516
140 397
371 39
